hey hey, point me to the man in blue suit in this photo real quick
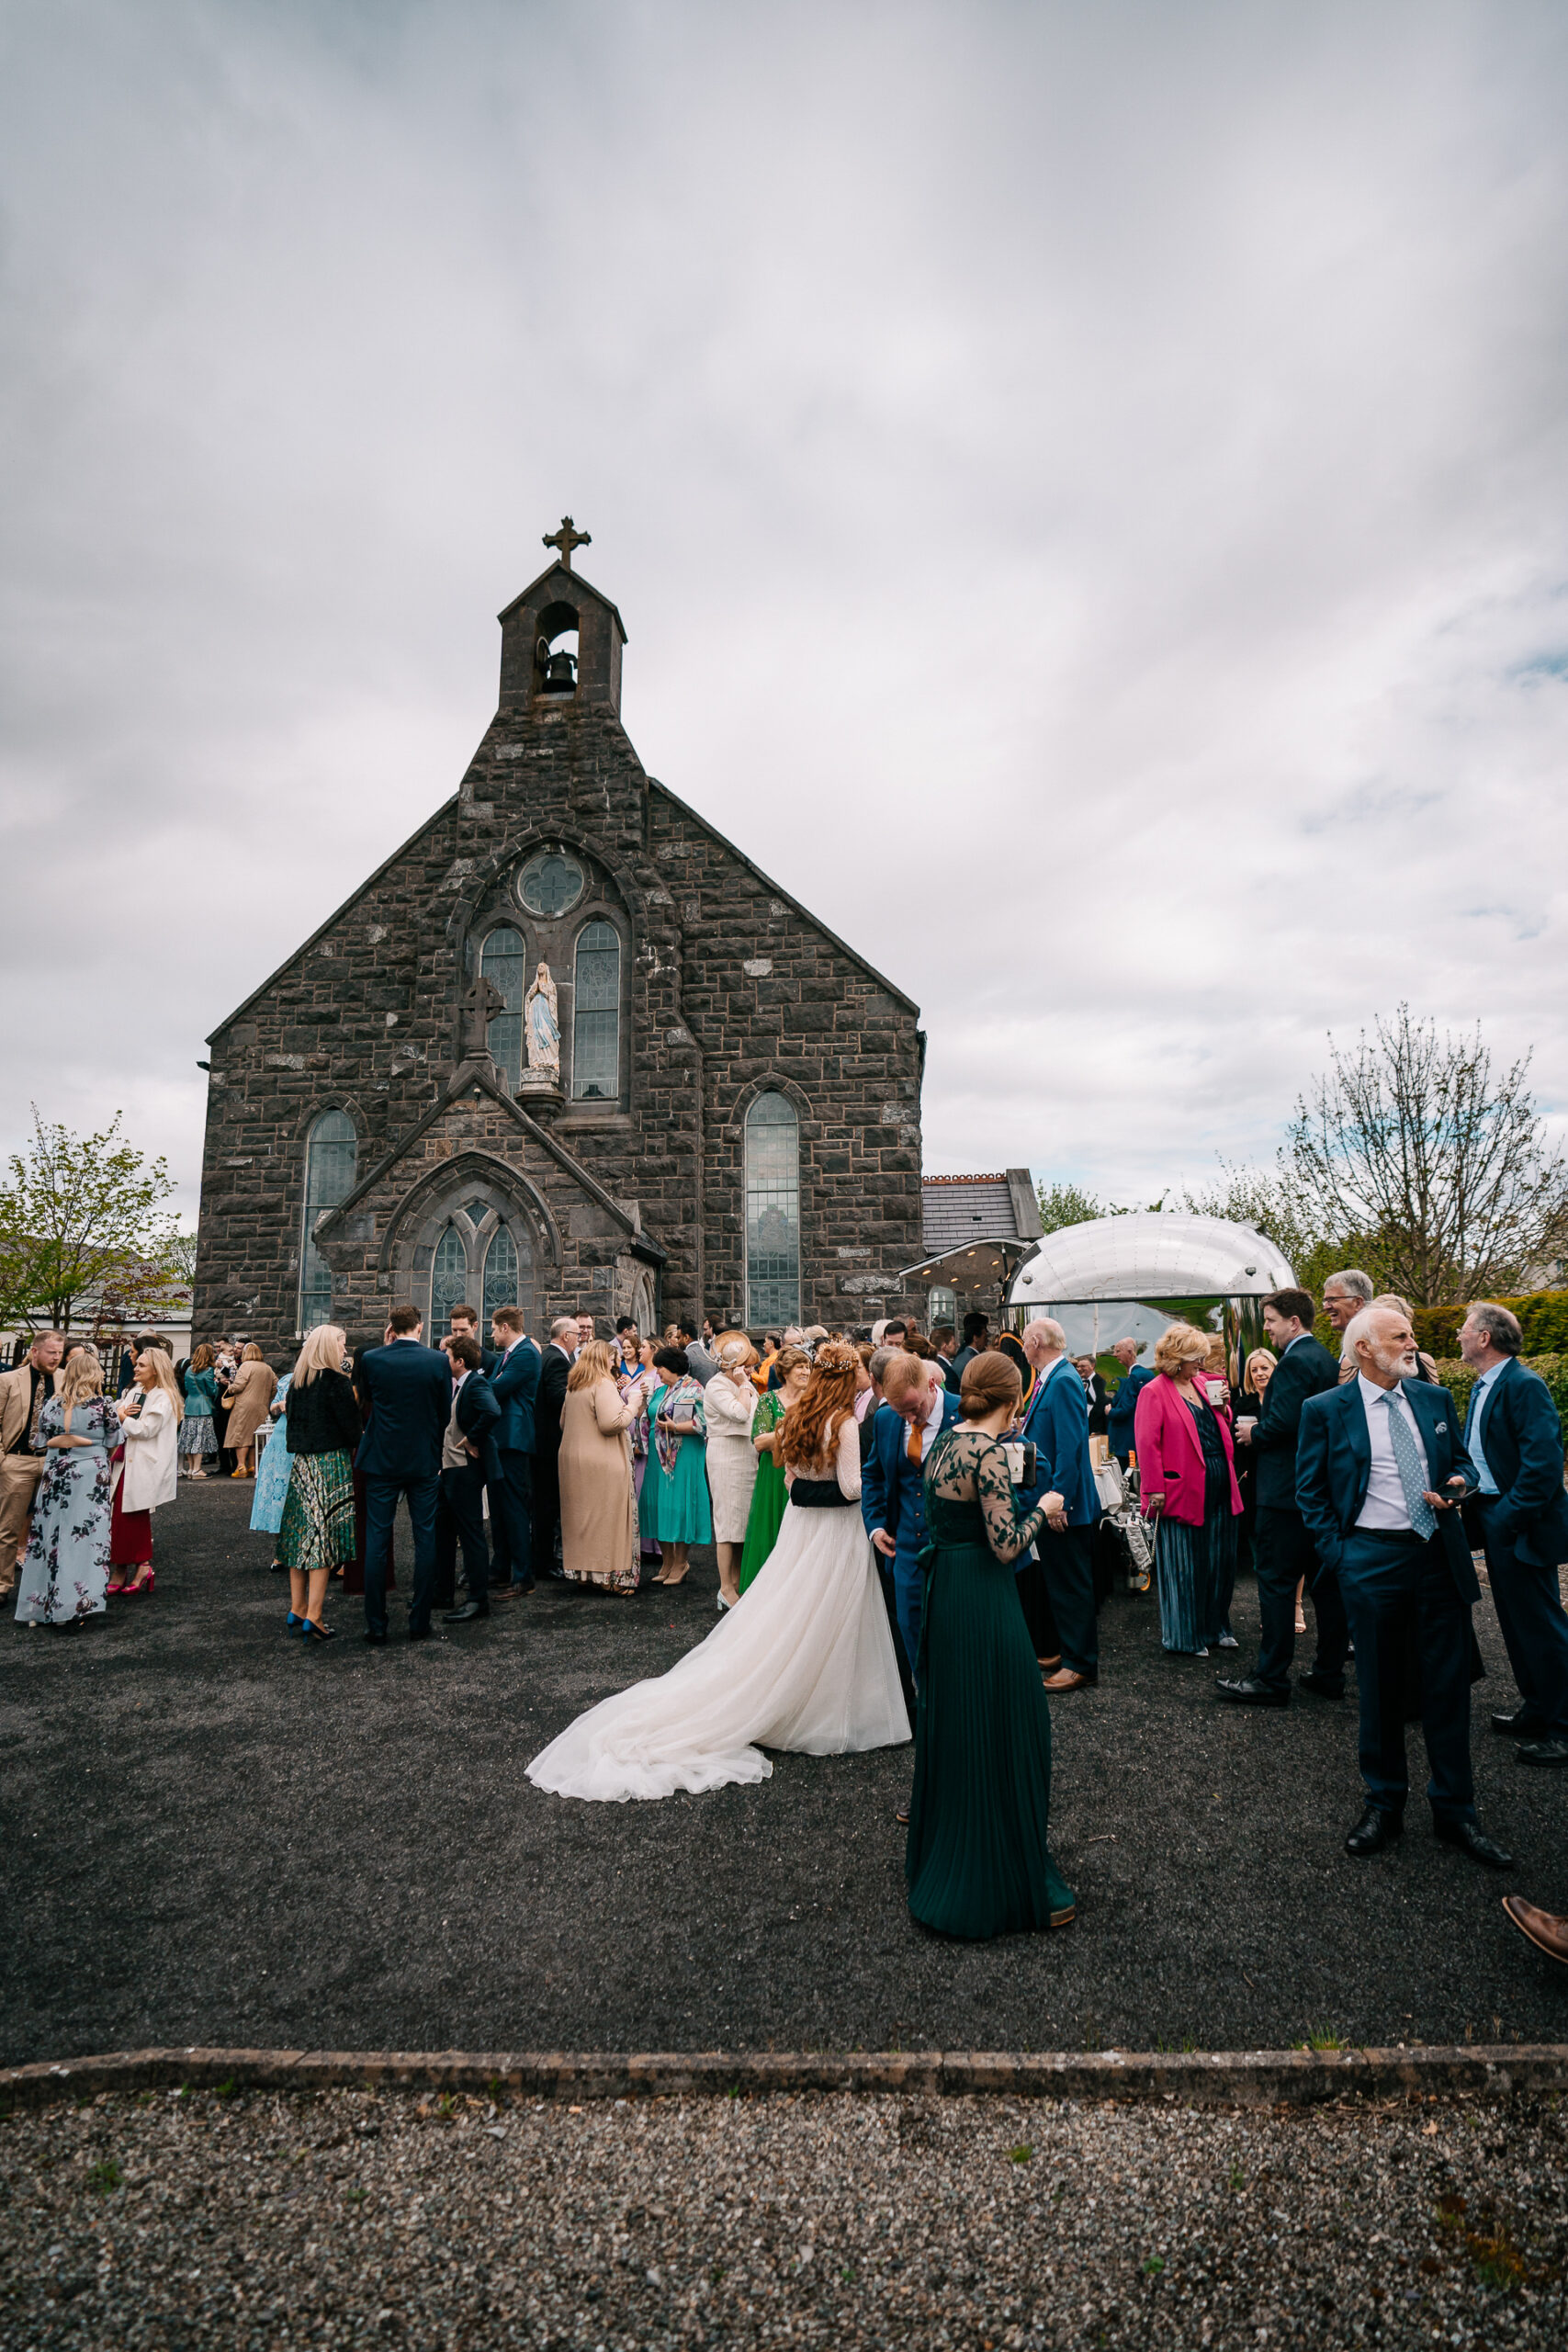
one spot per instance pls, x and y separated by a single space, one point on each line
515 1385
914 1410
1514 1437
1055 1422
1124 1404
1379 1473
467 1464
407 1388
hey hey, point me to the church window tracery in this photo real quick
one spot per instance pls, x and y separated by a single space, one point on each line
448 1278
773 1211
501 1273
596 1016
551 883
329 1155
503 961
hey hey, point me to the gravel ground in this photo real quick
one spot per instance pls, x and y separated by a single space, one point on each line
216 1835
346 2218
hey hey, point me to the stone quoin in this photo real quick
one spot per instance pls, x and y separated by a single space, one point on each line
732 1122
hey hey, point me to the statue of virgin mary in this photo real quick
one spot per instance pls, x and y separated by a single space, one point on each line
541 1024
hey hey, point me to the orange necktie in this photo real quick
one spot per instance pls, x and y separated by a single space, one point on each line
916 1440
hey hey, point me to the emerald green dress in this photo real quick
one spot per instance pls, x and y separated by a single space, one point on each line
979 1863
768 1495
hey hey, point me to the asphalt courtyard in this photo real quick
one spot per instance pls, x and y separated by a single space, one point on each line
213 1834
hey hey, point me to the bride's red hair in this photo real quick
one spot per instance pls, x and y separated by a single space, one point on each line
829 1394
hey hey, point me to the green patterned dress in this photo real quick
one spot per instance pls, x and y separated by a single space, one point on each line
768 1495
979 1863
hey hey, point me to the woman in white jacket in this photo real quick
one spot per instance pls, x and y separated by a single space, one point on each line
149 1471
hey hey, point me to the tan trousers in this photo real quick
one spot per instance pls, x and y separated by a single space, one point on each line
19 1474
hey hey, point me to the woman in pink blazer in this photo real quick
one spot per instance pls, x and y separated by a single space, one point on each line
1187 1479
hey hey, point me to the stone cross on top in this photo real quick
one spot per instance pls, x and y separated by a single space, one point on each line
568 537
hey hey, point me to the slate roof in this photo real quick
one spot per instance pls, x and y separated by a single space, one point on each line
958 1209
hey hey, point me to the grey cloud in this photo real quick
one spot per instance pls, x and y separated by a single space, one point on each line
1085 490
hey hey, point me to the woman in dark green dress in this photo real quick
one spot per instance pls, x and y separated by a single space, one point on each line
979 1863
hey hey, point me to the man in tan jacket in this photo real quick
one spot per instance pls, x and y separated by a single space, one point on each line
23 1395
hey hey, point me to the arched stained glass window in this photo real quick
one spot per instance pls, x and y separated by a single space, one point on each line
330 1154
501 1273
501 961
596 1016
773 1212
448 1280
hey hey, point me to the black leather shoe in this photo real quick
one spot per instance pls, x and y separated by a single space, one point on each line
1320 1686
1543 1751
419 1632
461 1616
1374 1831
1520 1724
1474 1841
1246 1693
379 1639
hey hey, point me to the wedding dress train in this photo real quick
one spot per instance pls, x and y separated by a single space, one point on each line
803 1661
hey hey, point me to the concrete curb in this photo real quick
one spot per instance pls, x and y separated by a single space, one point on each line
1213 2078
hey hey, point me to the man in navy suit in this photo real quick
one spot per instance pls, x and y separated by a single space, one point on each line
1379 1473
1124 1404
467 1461
916 1409
1514 1437
516 1383
407 1388
1056 1423
1282 1545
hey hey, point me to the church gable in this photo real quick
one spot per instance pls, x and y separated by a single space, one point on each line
641 1004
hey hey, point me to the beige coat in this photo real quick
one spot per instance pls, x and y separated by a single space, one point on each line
250 1394
598 1503
152 1455
16 1395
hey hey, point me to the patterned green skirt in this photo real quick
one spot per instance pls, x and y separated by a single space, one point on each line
318 1516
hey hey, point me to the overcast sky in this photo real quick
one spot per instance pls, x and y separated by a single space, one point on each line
1086 487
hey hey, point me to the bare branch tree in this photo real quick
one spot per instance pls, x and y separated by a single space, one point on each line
1441 1173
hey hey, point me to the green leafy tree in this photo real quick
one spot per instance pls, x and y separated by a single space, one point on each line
1063 1204
1414 1155
82 1224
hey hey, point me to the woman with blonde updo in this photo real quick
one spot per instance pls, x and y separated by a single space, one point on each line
729 1407
598 1541
806 1665
977 1861
1187 1478
65 1569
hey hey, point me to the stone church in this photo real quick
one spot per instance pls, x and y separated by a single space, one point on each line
568 1048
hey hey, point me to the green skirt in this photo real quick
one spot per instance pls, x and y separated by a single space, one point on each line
318 1513
769 1496
977 1861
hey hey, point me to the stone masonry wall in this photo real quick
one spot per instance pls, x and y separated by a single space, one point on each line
729 988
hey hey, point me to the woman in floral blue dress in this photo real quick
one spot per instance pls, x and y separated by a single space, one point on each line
65 1572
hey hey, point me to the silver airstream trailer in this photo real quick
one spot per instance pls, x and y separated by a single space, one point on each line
1136 1272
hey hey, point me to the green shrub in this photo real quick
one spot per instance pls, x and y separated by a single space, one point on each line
1457 1377
1543 1319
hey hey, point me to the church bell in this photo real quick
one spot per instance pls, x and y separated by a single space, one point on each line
559 670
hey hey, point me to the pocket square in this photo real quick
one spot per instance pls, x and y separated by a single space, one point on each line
1441 1428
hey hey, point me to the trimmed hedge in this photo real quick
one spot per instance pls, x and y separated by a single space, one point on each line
1457 1377
1543 1319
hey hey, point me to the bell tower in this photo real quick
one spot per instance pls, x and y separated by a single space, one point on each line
560 640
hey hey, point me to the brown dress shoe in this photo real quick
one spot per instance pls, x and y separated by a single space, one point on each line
1065 1679
1548 1933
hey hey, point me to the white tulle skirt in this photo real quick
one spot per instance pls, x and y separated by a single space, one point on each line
804 1661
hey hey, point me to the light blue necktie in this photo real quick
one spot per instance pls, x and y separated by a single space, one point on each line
1412 1477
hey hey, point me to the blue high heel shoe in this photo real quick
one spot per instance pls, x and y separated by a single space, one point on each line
291 1624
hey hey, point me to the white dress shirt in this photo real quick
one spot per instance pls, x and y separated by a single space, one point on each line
1484 1388
930 1422
1385 1506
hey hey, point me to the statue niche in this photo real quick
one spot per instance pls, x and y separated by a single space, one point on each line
541 1034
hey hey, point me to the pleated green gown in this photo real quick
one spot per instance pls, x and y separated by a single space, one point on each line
978 1861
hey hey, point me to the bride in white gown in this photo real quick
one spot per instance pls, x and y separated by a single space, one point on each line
803 1661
